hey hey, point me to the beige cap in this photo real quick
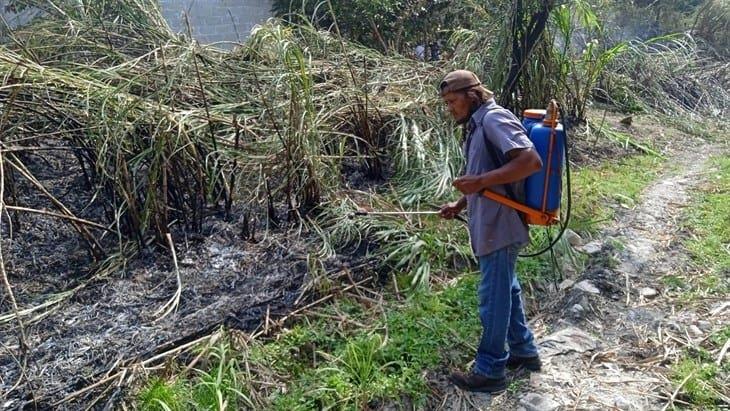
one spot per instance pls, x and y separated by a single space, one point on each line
459 80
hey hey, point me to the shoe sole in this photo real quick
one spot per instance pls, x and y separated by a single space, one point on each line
483 390
499 391
530 368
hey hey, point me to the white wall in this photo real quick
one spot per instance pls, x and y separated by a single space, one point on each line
211 20
15 19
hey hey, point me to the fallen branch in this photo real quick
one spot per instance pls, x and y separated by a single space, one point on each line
278 323
122 372
22 313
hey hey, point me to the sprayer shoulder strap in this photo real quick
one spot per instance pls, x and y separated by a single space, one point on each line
492 150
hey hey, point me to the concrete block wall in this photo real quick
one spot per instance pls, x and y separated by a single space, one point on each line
15 19
213 21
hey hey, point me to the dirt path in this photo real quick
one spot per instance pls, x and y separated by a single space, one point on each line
615 331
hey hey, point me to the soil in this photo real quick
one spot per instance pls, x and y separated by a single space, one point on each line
610 346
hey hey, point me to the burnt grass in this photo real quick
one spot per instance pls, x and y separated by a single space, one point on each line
230 278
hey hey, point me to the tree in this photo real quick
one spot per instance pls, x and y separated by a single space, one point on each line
386 25
528 25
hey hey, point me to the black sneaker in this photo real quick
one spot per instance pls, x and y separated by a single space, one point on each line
530 363
478 383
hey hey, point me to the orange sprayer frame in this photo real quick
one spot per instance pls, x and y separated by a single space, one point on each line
532 216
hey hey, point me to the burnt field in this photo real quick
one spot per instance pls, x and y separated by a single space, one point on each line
84 320
154 191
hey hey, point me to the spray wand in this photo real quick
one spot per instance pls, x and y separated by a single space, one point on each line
362 213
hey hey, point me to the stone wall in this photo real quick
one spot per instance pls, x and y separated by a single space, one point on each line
216 20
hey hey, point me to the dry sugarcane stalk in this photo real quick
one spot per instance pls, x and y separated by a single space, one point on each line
168 86
120 374
670 402
174 301
61 216
723 351
280 322
25 312
22 337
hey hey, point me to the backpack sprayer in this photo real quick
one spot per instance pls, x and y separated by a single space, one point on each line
543 189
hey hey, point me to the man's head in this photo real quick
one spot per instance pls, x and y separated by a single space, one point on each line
463 93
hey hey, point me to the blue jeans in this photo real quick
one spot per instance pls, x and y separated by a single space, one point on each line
502 314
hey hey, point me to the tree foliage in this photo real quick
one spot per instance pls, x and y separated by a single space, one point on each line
386 25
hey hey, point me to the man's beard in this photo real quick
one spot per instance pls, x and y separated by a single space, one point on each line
465 120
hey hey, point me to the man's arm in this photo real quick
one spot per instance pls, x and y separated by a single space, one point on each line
523 163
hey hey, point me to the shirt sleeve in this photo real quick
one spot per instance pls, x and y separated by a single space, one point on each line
505 131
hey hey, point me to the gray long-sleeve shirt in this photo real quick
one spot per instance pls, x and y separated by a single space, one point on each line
493 226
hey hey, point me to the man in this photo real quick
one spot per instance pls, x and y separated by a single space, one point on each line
420 52
435 49
499 156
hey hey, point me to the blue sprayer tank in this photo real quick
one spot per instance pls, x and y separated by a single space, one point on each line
545 133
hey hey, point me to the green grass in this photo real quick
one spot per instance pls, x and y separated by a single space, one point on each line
160 395
355 366
597 192
699 375
708 220
334 362
709 246
708 240
674 282
221 387
704 381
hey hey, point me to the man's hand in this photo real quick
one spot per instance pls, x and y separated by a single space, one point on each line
470 184
451 210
